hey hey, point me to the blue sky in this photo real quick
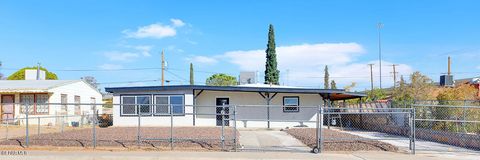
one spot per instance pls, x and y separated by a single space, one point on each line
104 36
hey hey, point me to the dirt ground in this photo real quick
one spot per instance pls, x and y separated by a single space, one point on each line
345 142
194 138
15 131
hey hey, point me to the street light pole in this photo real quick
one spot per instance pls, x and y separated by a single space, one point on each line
380 26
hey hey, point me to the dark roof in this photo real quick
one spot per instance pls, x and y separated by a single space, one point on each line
338 93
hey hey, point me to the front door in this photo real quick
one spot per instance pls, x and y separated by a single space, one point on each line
222 104
8 108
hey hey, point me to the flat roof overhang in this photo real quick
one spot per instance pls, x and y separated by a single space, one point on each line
334 94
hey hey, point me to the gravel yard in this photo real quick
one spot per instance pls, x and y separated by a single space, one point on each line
354 143
191 138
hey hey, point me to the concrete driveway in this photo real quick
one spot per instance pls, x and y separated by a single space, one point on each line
270 140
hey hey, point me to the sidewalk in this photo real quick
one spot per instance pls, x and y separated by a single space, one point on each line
101 155
422 147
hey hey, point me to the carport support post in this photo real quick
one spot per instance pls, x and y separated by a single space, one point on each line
268 98
194 105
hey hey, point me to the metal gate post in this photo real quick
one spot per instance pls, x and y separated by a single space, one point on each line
138 126
38 125
27 136
81 121
317 136
464 115
171 127
222 138
94 129
6 135
235 128
63 124
321 129
410 124
414 127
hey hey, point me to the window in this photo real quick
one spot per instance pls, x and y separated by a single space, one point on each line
93 102
288 102
167 104
77 105
37 103
63 100
134 103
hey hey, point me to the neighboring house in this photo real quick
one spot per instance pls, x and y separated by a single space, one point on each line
198 104
475 81
47 98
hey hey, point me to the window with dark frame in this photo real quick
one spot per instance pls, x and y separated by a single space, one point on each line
291 103
136 104
166 104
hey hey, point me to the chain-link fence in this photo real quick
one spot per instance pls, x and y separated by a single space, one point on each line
137 126
149 126
368 127
456 123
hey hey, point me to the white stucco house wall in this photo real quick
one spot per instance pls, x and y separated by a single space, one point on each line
197 105
47 98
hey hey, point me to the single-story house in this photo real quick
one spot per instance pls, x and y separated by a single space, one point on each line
197 105
47 98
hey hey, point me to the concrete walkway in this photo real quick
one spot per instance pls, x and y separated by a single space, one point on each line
421 146
270 140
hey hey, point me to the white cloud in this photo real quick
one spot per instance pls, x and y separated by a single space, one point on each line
156 30
121 56
110 66
478 67
177 22
298 56
202 60
306 63
144 50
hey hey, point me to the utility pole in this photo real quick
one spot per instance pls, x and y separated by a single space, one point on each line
394 75
380 26
371 76
163 67
38 71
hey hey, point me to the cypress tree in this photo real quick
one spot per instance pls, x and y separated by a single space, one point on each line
326 78
192 82
333 85
271 72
